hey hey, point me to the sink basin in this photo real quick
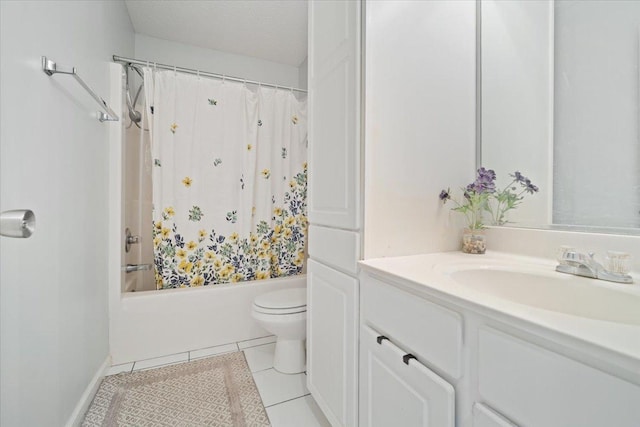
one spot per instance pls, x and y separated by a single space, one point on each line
549 290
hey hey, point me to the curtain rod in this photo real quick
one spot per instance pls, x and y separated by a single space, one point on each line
128 61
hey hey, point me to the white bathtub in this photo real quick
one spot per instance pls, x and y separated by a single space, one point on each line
157 323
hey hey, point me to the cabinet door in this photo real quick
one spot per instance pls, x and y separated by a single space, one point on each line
334 114
332 339
534 386
395 393
483 416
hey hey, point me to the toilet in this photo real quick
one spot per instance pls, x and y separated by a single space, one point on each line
284 314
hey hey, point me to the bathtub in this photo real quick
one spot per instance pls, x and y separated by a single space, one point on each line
157 323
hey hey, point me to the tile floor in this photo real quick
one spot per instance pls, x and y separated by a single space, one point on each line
285 397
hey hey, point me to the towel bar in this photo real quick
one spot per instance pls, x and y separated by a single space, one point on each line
50 68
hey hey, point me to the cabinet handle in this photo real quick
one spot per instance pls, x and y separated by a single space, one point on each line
381 338
408 357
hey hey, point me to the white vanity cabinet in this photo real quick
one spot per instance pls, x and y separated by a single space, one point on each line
427 330
505 373
483 416
399 333
535 386
397 390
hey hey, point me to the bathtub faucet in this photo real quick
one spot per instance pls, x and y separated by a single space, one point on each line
130 268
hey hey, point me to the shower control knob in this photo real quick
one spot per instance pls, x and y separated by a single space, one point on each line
129 240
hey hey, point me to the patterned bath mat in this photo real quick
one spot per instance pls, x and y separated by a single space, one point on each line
217 391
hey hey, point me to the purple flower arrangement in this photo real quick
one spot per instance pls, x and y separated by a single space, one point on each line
482 195
510 197
476 198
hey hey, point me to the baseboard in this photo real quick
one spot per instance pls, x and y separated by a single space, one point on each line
76 418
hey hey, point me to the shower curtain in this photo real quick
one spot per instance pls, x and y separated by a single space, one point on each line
229 180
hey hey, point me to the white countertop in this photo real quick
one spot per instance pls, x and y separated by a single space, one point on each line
427 274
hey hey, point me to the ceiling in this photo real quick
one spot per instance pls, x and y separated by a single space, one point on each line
275 30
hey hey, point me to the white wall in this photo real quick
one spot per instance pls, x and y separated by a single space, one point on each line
420 123
597 153
53 159
517 99
303 74
183 55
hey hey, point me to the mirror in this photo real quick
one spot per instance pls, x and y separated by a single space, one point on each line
559 99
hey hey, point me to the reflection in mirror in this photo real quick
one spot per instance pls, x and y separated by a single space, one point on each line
560 103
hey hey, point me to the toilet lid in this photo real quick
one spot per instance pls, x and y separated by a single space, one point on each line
285 299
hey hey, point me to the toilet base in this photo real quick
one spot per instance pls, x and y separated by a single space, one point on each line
290 356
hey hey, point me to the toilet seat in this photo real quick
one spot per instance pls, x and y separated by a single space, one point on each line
286 301
279 311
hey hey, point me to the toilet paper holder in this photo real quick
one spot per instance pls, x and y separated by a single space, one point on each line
19 223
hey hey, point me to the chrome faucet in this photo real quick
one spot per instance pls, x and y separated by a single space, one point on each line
579 264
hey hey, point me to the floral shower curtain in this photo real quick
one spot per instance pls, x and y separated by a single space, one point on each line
229 180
